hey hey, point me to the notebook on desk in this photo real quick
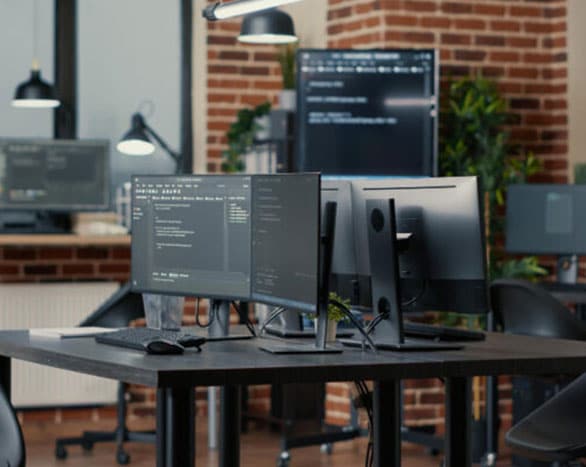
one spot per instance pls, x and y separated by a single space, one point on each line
68 333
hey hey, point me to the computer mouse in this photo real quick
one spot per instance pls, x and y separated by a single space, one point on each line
163 347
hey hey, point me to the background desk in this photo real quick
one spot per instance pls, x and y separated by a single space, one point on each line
231 364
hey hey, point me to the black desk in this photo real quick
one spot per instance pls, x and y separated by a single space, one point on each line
231 364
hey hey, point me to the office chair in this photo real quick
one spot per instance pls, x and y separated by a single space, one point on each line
555 431
525 308
118 311
12 452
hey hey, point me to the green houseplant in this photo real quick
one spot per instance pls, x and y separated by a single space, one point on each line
240 137
473 142
335 314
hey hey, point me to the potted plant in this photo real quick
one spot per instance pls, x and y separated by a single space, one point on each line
288 97
335 315
241 135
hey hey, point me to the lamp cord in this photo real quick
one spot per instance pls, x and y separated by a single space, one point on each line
36 64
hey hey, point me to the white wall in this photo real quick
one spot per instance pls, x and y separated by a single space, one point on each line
577 83
16 53
129 52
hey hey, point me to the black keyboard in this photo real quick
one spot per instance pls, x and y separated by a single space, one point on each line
135 338
441 333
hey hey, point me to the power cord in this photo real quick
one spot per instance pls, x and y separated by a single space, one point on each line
249 324
210 321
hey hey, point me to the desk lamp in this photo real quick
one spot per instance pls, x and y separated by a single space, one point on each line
136 142
219 10
268 27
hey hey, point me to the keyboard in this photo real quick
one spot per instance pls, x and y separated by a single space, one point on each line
134 338
441 333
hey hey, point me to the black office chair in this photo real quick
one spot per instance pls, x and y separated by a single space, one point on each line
546 433
555 431
118 311
12 452
527 309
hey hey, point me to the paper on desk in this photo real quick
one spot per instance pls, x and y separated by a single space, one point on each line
64 333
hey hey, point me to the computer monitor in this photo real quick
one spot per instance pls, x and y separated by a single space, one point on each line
191 235
285 240
371 112
548 220
228 237
444 267
54 175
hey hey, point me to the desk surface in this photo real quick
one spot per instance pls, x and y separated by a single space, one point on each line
241 362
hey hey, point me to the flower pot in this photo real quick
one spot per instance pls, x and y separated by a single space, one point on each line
331 330
288 100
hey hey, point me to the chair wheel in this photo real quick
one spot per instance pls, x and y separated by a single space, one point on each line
284 459
122 458
326 448
60 452
87 446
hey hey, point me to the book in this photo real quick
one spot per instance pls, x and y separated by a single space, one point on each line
68 333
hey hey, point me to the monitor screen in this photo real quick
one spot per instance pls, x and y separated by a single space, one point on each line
54 175
444 267
370 112
228 237
191 235
285 236
546 219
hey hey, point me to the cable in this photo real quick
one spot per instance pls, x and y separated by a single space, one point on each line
355 322
248 323
417 297
272 316
374 323
210 320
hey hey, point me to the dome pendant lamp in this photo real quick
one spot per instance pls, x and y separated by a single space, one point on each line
268 27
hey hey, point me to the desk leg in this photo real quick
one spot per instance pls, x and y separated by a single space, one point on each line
175 427
230 413
387 423
458 450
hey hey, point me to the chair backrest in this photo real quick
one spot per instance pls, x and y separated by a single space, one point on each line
528 309
12 452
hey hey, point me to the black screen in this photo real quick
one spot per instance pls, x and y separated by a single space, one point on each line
191 235
54 175
285 234
367 112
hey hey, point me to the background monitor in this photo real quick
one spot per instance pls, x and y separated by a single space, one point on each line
444 268
546 219
191 235
371 112
54 175
286 239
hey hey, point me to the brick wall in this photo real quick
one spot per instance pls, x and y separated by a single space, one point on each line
238 76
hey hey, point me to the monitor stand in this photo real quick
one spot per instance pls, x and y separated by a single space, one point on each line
386 294
34 222
219 329
291 326
567 269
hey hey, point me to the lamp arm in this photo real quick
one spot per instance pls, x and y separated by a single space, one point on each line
176 156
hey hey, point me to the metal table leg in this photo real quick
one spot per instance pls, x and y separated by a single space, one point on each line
230 415
387 423
212 419
175 427
458 449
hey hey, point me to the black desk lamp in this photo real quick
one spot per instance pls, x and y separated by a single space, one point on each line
136 142
268 27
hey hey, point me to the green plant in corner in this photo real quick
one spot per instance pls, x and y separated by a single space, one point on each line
334 311
474 142
240 137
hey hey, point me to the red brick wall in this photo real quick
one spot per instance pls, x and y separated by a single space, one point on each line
521 44
238 76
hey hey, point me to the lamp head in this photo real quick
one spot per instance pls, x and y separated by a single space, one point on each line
136 141
35 93
268 27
